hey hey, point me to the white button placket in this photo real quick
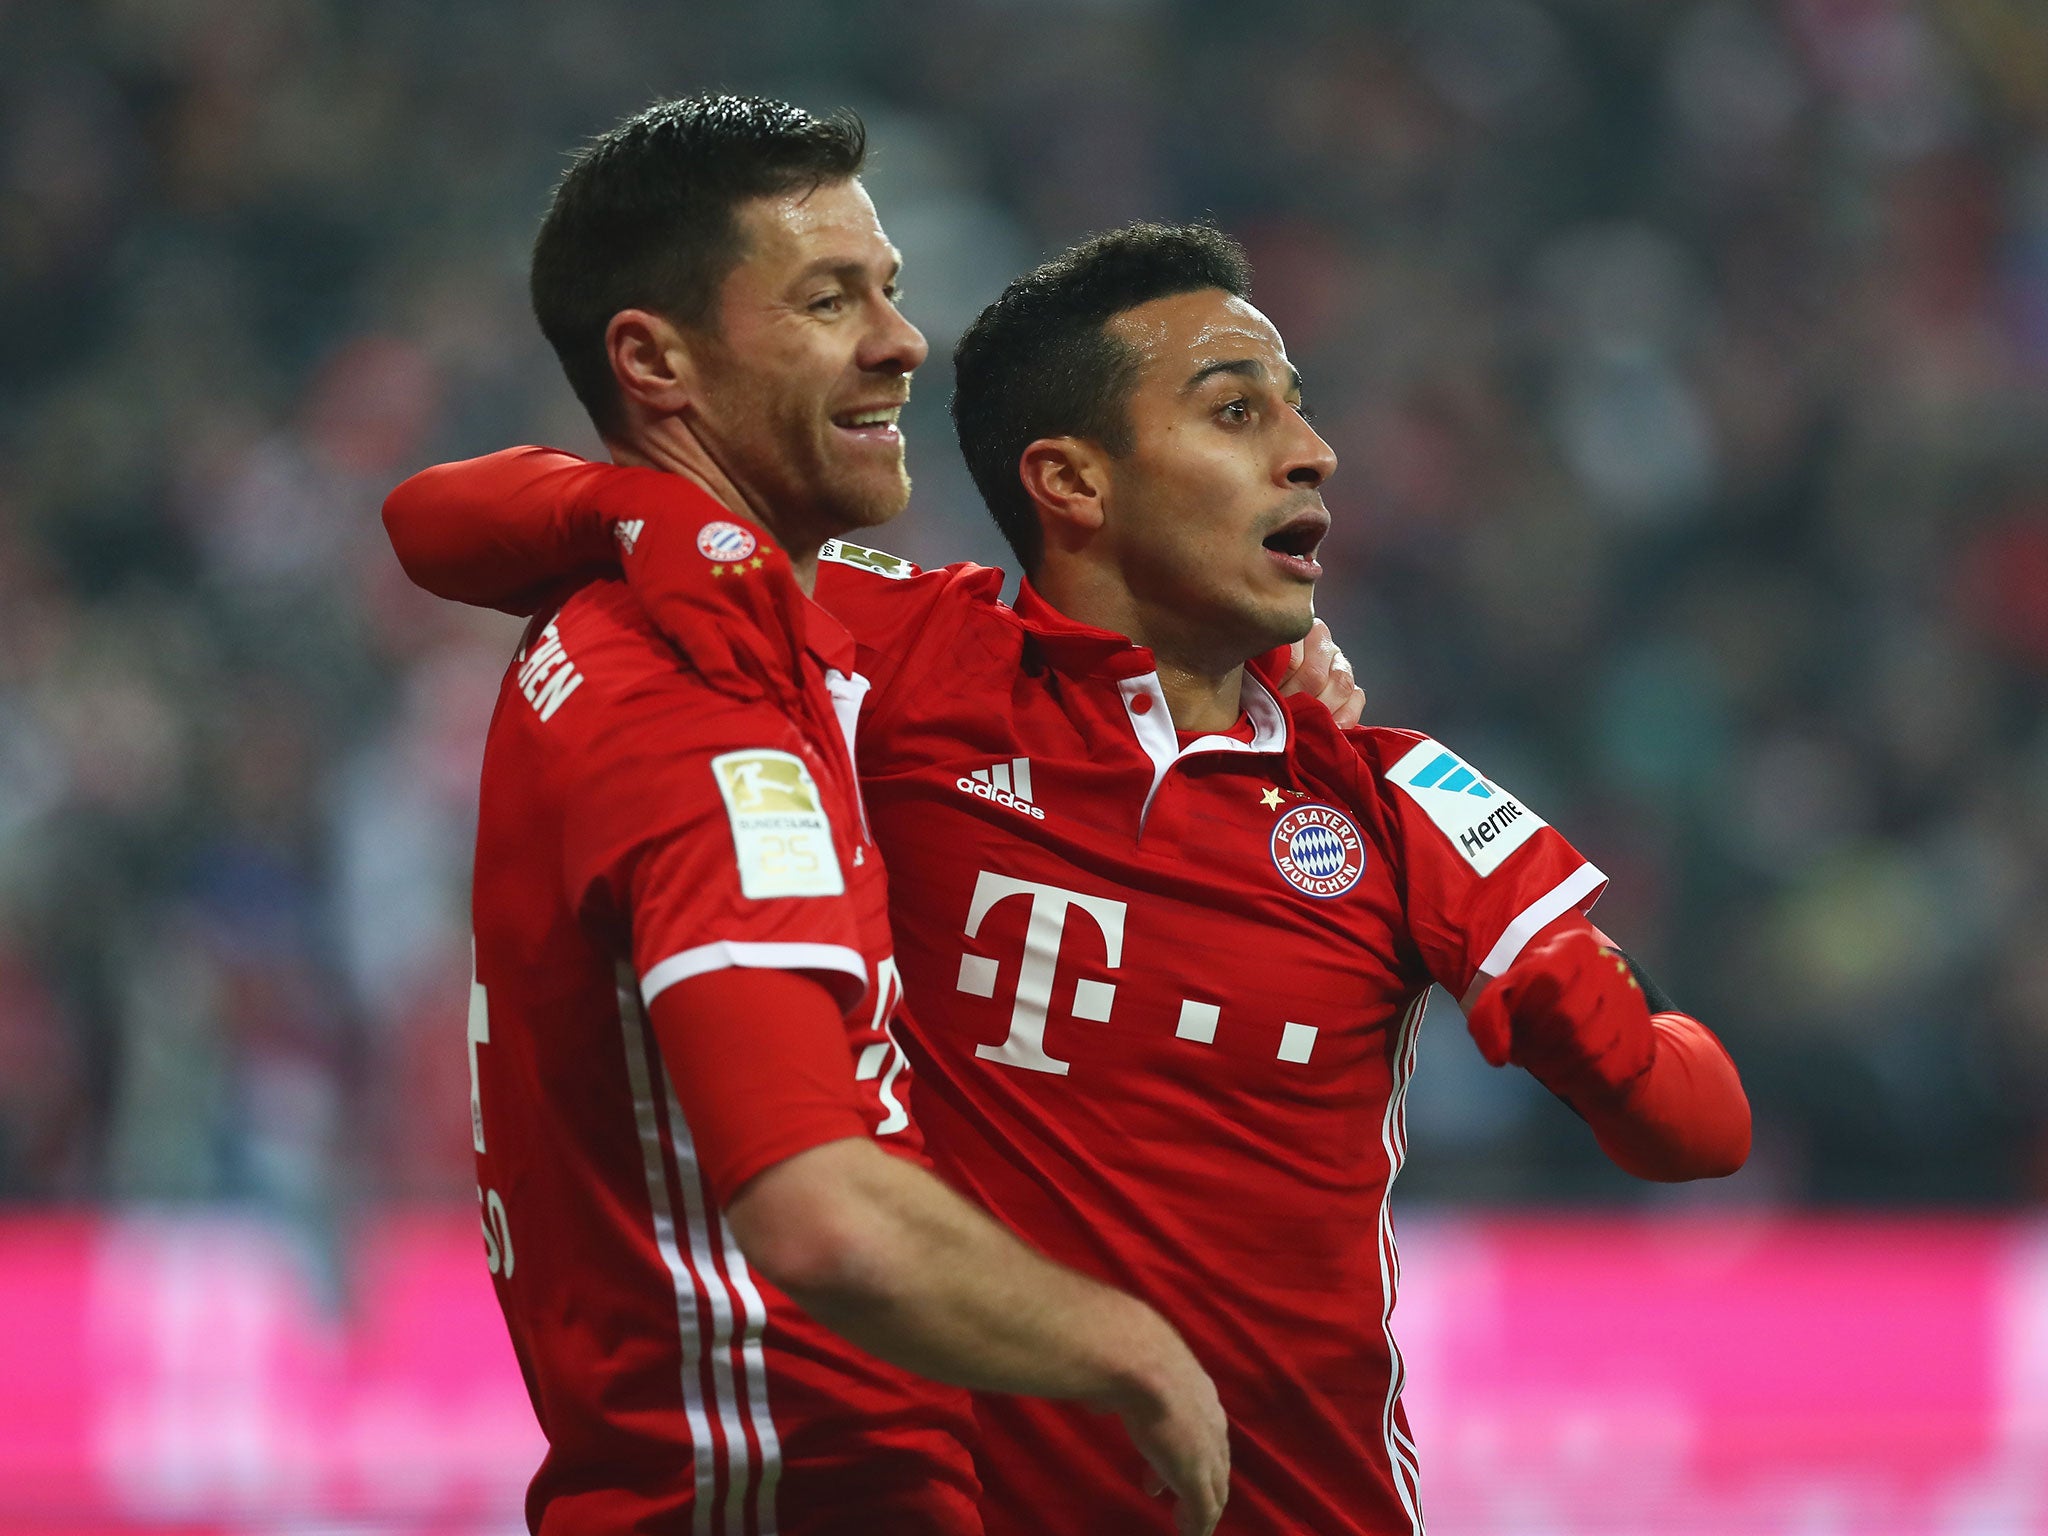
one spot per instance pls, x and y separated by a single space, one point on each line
1152 723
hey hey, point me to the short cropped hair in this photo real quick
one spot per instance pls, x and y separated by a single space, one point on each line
1039 361
644 218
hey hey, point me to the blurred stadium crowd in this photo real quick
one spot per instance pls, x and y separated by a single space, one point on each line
1688 365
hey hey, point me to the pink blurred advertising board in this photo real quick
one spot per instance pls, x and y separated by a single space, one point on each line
1812 1377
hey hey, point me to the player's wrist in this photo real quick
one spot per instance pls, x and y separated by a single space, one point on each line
1150 1365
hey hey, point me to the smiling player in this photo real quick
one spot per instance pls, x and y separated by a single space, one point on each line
731 1284
1168 969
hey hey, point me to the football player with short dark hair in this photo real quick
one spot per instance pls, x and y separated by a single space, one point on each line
732 1284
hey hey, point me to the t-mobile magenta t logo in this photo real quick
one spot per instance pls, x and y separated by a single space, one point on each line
1050 904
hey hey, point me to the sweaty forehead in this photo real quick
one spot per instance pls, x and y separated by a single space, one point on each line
1184 332
797 227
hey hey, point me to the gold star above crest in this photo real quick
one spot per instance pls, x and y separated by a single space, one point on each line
1272 799
718 570
757 561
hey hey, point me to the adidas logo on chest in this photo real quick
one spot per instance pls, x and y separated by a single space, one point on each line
1006 784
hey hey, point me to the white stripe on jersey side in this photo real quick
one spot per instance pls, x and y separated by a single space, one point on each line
706 958
680 1275
750 1318
739 1457
1394 1138
757 1383
1547 908
1393 1251
1402 1457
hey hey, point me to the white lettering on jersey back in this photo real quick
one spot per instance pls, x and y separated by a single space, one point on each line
1007 784
479 1034
780 833
547 676
1025 1045
1483 821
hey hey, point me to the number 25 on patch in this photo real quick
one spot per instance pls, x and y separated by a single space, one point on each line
781 836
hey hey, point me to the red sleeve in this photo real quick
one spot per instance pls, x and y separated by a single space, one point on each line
694 819
1685 1118
510 530
1484 872
760 1067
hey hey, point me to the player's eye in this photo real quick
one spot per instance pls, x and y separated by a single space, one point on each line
1236 411
827 304
893 292
1306 411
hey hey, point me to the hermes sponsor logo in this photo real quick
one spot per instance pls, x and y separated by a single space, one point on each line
1481 819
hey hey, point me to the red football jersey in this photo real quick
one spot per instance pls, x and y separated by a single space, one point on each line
1166 1001
645 819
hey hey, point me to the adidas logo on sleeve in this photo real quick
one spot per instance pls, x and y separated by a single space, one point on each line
1005 784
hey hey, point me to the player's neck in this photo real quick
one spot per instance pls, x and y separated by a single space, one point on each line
666 444
1201 701
1203 693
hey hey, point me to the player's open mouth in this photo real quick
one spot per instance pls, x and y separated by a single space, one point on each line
875 424
1293 545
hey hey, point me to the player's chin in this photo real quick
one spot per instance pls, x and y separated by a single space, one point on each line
868 501
1286 618
1263 623
1286 594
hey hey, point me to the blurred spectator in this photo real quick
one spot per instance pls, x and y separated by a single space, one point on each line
1689 366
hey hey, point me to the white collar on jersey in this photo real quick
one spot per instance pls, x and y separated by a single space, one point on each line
1155 732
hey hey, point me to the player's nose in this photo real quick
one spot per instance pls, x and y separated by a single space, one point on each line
894 345
1308 461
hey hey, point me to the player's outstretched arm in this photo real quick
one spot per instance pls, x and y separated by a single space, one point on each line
504 531
1660 1092
877 1249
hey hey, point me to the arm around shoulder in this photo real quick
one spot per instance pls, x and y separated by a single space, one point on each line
501 531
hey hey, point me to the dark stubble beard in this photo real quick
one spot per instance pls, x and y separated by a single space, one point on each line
870 505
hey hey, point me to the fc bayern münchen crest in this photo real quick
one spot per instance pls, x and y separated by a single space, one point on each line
724 542
1318 851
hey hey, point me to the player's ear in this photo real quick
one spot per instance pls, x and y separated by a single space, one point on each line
652 361
1067 478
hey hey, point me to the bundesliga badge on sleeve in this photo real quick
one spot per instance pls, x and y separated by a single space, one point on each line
781 835
1318 851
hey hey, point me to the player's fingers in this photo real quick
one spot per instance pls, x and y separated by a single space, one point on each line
1197 1516
1311 658
1219 1489
1344 698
